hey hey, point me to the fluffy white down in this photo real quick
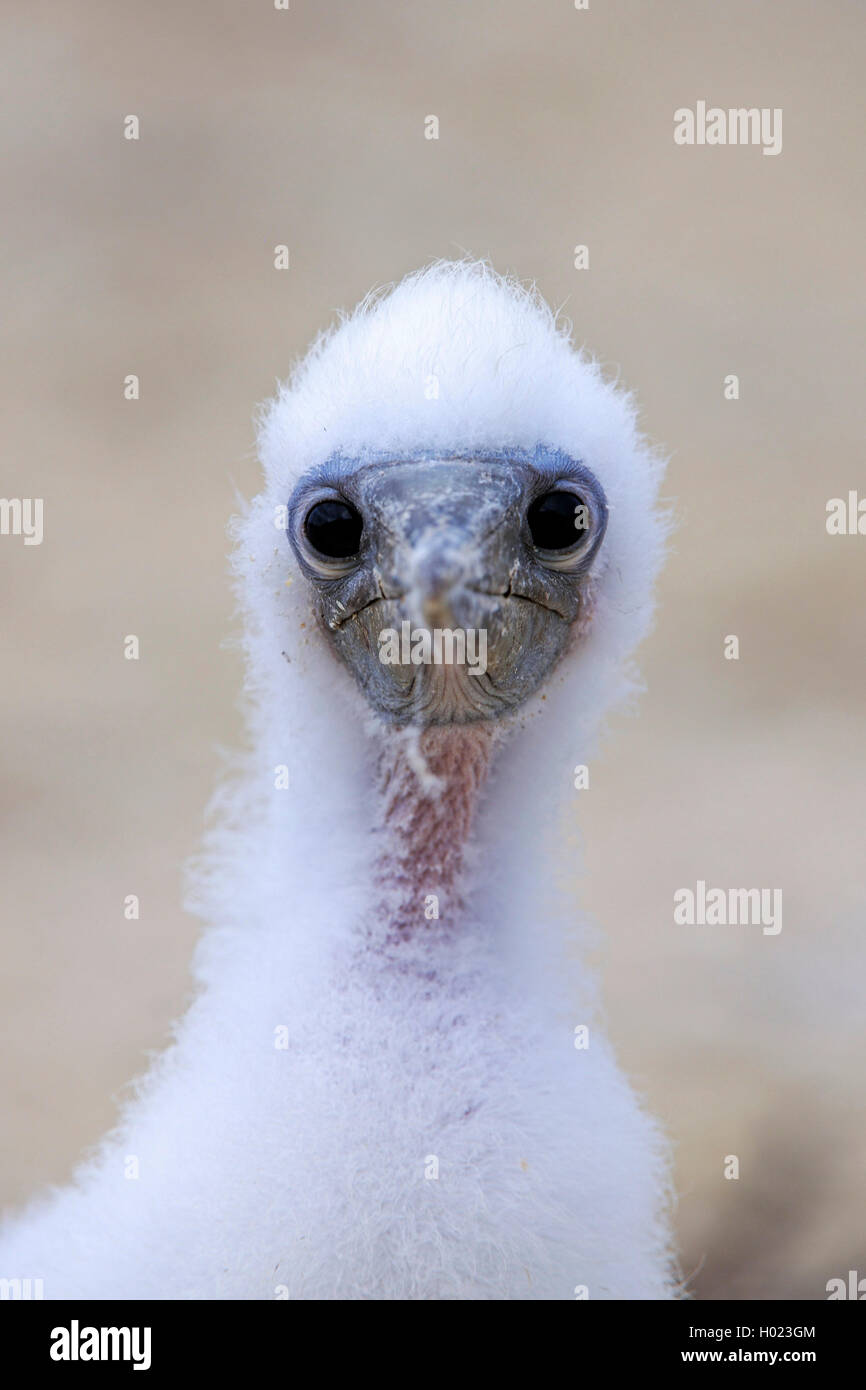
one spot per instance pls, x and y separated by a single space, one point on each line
303 1170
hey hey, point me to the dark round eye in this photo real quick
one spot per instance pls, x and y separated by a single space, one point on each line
334 528
558 520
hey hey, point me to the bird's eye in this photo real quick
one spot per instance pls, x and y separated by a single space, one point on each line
334 528
559 520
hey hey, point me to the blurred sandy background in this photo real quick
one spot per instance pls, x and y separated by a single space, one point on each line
261 127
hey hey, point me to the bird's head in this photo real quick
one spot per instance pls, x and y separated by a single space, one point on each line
449 585
470 508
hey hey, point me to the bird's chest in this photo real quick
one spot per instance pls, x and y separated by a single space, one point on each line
435 1086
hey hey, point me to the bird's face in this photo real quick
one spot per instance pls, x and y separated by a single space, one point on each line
449 585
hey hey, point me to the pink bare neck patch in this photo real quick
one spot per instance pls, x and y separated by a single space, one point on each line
429 784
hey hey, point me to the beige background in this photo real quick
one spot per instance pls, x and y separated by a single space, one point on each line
260 127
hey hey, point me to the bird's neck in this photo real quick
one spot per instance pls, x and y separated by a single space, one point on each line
429 784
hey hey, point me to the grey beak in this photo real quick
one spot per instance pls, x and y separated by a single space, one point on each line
441 535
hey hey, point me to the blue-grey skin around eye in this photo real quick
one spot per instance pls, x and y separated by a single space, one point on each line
446 544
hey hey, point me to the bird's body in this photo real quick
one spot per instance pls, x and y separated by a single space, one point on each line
377 1092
